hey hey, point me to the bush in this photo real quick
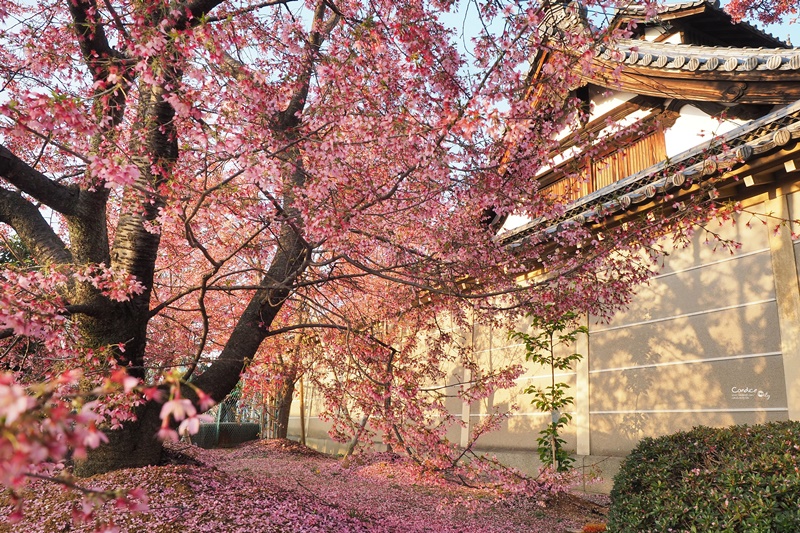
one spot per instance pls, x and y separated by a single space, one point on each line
740 478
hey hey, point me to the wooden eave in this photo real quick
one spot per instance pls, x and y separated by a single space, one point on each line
701 73
757 155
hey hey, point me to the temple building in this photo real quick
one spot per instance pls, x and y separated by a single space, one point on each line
714 339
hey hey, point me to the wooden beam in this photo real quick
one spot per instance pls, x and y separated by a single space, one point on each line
723 193
755 87
793 165
758 179
763 166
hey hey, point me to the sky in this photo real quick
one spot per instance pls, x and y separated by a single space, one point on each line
788 30
465 21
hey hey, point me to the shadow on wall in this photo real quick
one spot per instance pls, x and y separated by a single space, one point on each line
698 346
517 436
638 387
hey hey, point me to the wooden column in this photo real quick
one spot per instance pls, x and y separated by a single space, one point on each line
787 293
581 418
466 407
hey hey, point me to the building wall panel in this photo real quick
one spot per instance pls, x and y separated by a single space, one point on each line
520 432
617 434
739 331
733 383
730 281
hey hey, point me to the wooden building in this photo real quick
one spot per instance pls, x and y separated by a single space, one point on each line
715 338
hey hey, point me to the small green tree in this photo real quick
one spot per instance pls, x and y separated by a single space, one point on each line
13 252
541 349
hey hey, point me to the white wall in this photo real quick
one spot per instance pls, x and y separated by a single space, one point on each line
695 127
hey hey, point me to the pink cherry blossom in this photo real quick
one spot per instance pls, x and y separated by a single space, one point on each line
13 402
178 409
197 195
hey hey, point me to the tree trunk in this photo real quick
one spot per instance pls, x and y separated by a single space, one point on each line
132 446
284 407
154 148
135 251
302 414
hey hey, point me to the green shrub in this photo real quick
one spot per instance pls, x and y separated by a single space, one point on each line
740 478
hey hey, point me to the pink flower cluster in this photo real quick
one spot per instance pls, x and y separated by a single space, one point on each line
182 410
40 425
116 285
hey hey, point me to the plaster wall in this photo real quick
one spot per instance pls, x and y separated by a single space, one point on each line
693 128
604 100
699 345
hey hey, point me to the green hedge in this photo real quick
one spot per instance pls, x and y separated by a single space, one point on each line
740 478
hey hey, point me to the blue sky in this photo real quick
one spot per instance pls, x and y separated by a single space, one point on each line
465 20
783 31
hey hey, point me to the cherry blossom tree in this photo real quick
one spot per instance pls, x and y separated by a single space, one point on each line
270 381
186 176
766 11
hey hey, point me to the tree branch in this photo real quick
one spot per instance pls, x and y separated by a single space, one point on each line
196 11
249 9
288 118
21 175
117 20
96 50
32 229
102 60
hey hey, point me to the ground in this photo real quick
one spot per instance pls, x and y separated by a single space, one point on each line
281 486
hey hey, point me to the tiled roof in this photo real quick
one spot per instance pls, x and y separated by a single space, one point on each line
684 57
743 143
638 11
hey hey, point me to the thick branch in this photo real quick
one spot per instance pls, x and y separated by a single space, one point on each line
30 181
32 229
199 8
293 252
253 326
249 9
135 248
96 51
88 228
290 261
102 60
289 117
195 12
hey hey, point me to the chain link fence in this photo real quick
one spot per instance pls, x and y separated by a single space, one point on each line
235 422
237 419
